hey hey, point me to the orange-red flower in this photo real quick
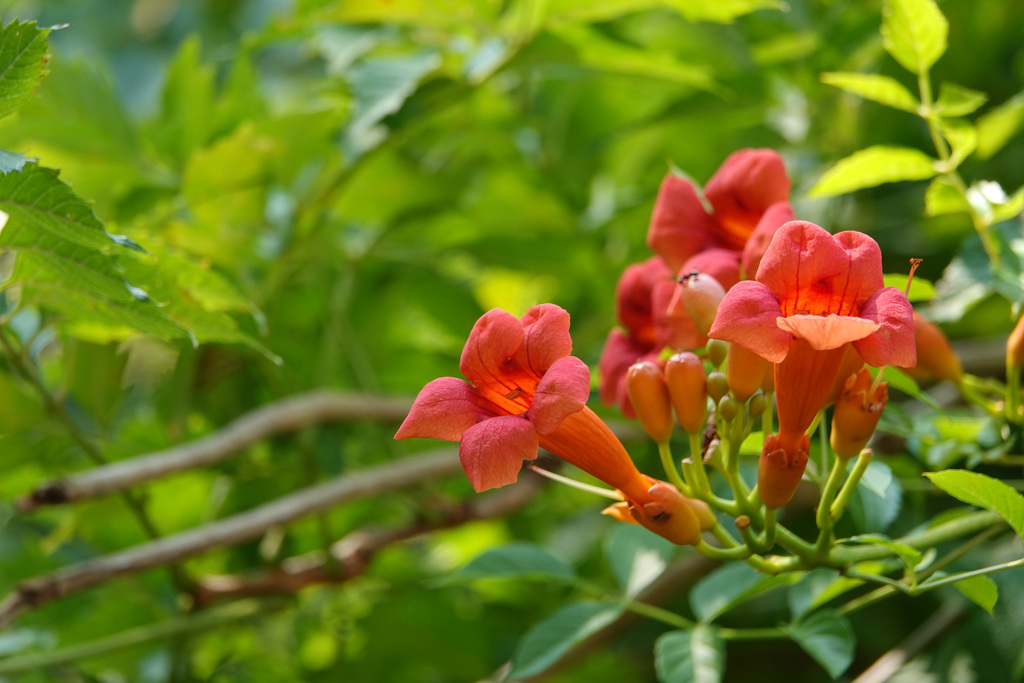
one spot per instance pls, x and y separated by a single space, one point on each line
526 392
749 199
815 294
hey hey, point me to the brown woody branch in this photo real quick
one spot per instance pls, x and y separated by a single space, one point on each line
231 531
351 556
287 415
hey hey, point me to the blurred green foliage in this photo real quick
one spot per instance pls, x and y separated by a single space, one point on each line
329 194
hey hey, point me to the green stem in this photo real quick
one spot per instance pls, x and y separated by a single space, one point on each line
981 225
701 483
669 464
751 633
658 614
961 526
860 466
828 494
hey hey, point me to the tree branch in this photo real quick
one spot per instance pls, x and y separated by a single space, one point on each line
287 415
351 556
227 532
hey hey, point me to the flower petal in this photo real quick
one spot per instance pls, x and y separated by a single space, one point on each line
444 409
495 338
809 271
673 328
747 316
620 351
742 189
721 264
777 215
492 451
893 343
828 331
865 269
680 225
545 338
633 296
564 390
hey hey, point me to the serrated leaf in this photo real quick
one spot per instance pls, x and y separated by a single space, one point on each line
637 557
914 32
546 642
727 587
827 637
997 126
515 560
596 51
881 89
942 197
920 289
985 492
874 166
696 656
187 117
22 63
956 100
981 590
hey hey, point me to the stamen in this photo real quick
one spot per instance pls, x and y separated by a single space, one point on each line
607 493
914 263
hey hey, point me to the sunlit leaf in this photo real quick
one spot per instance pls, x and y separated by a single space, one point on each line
721 11
874 166
982 490
827 637
920 289
546 642
963 139
914 32
997 126
22 63
942 197
956 100
695 656
882 89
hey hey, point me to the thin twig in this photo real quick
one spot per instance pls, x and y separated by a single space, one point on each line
227 532
351 556
287 415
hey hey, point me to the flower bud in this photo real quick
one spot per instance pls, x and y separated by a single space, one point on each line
935 355
856 415
850 365
1015 345
728 408
705 515
687 388
645 384
779 472
718 385
745 372
758 404
717 351
701 294
671 515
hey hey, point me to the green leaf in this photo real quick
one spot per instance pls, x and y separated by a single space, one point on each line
546 642
881 89
1011 208
637 557
898 379
981 590
22 63
598 52
998 125
379 88
588 11
12 161
827 637
870 510
914 32
911 557
985 492
720 11
515 560
696 656
956 100
942 198
727 587
874 166
920 289
817 587
187 114
963 139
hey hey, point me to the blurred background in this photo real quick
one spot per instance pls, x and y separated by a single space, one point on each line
352 184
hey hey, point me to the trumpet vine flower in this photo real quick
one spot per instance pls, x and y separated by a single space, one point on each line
815 295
